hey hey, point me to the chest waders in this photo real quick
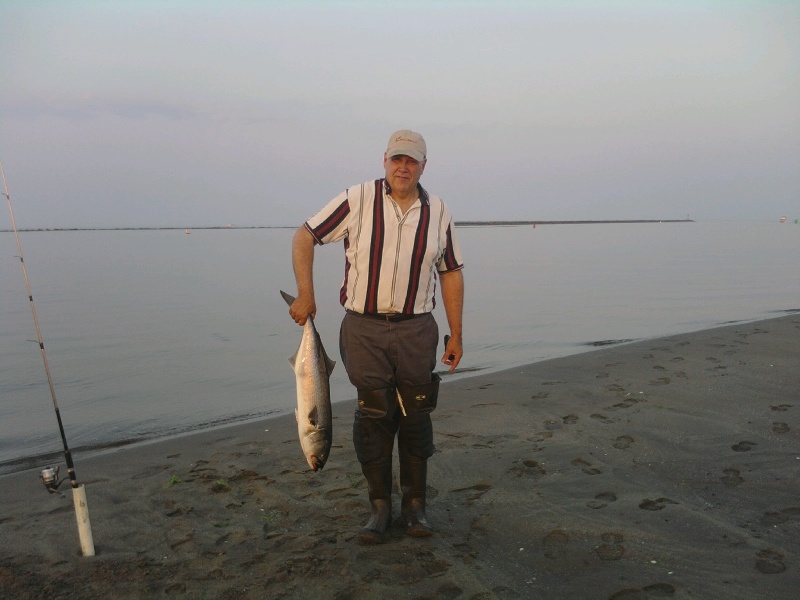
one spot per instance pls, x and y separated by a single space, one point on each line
404 411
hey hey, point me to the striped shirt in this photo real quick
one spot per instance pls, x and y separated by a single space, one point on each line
391 259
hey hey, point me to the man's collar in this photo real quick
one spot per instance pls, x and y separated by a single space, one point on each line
423 195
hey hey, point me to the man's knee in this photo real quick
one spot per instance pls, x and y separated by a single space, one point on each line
416 436
374 426
420 398
376 404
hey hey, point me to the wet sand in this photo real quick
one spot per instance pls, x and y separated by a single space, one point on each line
666 468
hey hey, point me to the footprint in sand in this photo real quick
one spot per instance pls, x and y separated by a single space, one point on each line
540 396
555 544
627 403
732 477
770 562
611 548
780 427
623 442
586 467
661 349
570 419
188 537
660 381
541 436
773 518
600 417
173 510
465 552
657 504
473 492
657 590
602 500
781 407
528 468
150 470
743 446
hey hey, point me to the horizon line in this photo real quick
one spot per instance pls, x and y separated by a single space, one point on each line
480 223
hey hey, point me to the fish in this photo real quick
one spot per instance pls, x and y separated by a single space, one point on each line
312 370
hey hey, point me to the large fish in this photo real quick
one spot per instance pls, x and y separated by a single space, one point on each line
312 370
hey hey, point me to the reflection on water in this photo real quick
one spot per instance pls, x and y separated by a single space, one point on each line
154 332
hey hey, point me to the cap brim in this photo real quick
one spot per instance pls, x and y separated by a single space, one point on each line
412 152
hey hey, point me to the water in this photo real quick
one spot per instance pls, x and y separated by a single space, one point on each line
153 333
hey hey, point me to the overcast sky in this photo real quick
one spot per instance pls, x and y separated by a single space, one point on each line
199 113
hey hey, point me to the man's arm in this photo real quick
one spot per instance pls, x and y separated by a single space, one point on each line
453 298
303 263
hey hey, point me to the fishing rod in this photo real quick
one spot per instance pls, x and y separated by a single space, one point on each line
50 474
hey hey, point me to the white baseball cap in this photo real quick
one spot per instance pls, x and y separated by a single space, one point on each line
408 143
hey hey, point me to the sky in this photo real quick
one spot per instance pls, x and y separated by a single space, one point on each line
197 113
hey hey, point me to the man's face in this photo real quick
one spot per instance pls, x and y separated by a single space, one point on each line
402 173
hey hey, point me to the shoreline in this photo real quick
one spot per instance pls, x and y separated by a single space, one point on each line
39 461
664 467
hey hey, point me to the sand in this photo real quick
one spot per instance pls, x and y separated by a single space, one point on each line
665 468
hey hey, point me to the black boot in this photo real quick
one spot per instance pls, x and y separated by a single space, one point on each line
374 429
413 483
379 480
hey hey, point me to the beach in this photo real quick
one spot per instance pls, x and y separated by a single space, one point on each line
665 468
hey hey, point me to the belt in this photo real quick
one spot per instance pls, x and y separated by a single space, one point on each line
390 317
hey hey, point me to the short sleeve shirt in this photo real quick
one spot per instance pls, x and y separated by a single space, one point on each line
391 259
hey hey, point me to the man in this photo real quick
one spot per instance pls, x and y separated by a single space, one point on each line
397 239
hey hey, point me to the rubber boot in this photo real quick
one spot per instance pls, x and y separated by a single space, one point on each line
413 483
374 429
379 481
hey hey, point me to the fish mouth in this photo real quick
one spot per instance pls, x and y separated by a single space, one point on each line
315 462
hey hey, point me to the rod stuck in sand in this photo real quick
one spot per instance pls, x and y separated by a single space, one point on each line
50 474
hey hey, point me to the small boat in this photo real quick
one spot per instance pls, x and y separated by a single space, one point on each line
783 219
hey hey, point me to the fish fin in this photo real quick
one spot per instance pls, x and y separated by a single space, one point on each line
288 298
296 416
329 364
312 416
293 359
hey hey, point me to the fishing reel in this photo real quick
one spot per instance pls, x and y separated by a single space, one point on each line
49 477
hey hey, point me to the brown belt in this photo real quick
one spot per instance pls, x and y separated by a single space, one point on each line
390 317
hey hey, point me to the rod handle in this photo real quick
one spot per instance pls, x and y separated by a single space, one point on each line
82 515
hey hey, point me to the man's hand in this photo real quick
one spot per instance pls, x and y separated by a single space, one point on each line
302 308
453 351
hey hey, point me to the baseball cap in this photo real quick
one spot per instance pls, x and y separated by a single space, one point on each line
407 142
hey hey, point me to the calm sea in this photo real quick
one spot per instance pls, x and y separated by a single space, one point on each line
155 333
